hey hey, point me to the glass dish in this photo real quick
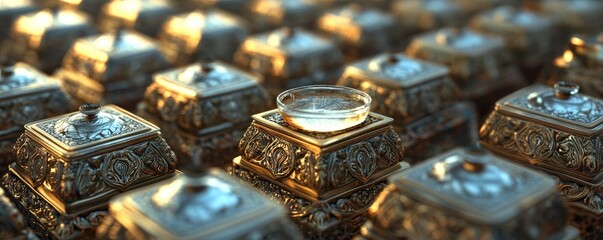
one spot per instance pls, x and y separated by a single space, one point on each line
323 108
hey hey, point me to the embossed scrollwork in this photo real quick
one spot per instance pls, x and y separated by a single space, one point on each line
38 166
121 169
279 158
535 141
362 161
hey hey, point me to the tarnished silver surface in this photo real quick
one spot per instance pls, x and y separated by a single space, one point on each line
68 167
42 38
211 206
144 16
470 194
556 130
422 98
360 31
25 95
205 106
201 34
290 57
111 68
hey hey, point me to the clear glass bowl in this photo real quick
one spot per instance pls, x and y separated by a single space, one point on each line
323 108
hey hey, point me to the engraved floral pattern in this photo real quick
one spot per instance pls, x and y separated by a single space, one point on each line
535 141
279 158
121 169
362 161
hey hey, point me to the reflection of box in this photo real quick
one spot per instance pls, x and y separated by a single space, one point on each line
110 68
479 64
26 95
204 107
290 58
68 167
211 206
42 39
468 194
200 35
557 131
422 99
326 180
360 31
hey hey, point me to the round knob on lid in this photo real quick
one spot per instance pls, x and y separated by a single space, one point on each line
7 68
90 109
207 65
564 90
392 58
473 160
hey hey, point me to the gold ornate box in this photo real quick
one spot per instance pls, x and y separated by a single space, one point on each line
213 206
199 35
424 101
580 63
290 57
479 64
270 14
468 194
10 10
42 38
326 180
111 68
145 16
529 35
359 31
205 107
12 222
68 167
91 7
558 131
26 95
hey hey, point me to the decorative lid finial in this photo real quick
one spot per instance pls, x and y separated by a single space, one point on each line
564 90
473 159
90 109
7 68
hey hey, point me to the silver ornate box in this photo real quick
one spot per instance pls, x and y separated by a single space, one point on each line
68 168
326 180
199 35
212 206
578 16
145 16
480 64
556 130
10 10
529 35
360 31
111 68
91 7
205 107
12 222
290 57
468 194
415 16
42 38
26 95
424 101
270 14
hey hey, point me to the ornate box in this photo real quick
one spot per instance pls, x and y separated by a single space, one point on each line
558 131
529 35
68 167
479 64
92 7
424 101
12 222
200 35
145 16
290 57
578 16
581 63
238 7
360 31
42 38
111 68
10 10
415 16
26 95
270 14
326 180
212 206
468 194
205 107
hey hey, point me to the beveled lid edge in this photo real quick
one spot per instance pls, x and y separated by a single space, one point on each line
253 44
260 119
550 121
162 79
496 216
270 211
54 145
48 84
425 40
